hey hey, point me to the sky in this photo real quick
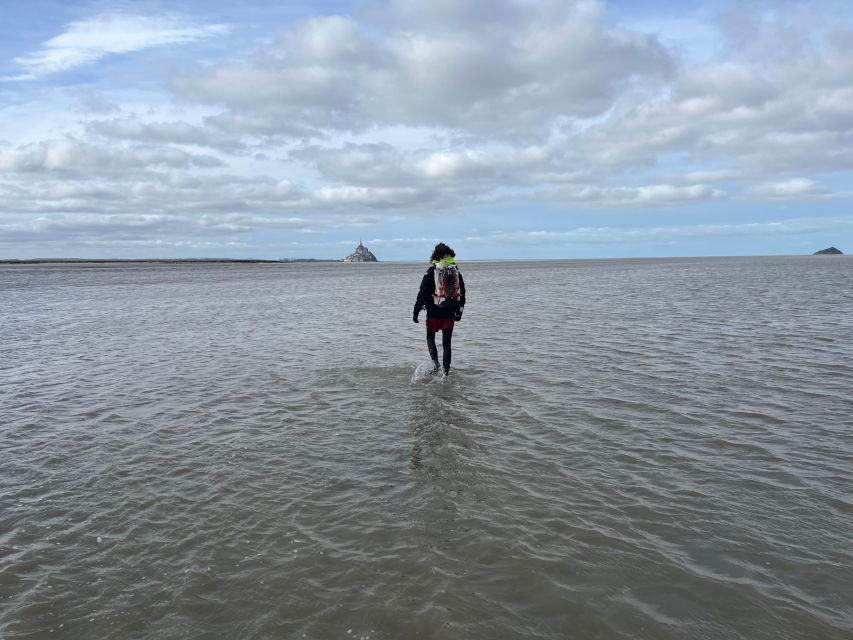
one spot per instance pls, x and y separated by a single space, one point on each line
509 129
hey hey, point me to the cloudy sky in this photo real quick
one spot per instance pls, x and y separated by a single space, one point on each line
507 128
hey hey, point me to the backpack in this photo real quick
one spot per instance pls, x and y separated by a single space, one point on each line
447 290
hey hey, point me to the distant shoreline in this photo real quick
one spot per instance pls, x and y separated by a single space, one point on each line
190 261
160 261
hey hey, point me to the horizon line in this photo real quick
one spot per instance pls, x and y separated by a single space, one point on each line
312 259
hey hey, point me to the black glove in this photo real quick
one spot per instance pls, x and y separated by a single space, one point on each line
458 316
415 315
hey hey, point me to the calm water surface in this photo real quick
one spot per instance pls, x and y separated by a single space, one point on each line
625 449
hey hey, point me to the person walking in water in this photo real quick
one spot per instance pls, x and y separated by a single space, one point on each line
442 292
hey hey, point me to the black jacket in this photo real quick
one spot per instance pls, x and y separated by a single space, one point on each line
425 296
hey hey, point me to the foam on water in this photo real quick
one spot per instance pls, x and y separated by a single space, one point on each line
425 373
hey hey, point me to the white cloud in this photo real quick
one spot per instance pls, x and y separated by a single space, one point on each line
512 78
786 189
474 163
266 125
324 40
127 230
607 235
761 116
379 198
80 157
87 41
655 195
181 133
458 15
361 164
145 191
430 106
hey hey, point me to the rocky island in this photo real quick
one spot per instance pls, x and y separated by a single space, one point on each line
832 251
361 254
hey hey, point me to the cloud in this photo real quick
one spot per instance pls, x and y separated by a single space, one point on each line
377 164
458 15
87 41
323 40
265 125
566 93
384 164
181 133
711 175
511 78
150 191
429 106
91 103
771 115
794 188
79 157
125 226
54 233
608 235
656 195
473 163
378 198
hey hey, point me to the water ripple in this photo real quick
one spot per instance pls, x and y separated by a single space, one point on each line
653 449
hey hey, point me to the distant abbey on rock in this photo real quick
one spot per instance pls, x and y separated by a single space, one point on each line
361 254
832 251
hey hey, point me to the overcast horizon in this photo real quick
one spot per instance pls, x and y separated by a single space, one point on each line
506 128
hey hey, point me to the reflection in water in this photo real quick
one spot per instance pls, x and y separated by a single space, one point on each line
442 461
438 429
428 433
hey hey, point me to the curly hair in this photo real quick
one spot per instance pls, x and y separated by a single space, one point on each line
441 250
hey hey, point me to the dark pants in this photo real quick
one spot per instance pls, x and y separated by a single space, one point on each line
446 337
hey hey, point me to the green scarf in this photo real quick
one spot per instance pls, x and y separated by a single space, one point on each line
448 259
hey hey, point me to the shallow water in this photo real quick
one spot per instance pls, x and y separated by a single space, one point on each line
630 449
